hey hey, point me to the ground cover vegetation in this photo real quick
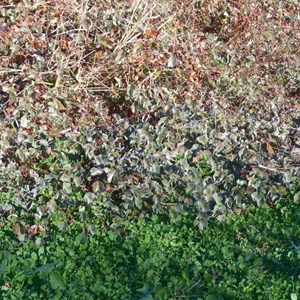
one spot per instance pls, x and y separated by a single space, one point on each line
254 254
149 112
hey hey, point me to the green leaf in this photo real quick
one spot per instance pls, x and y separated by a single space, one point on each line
45 269
210 297
147 297
4 257
258 262
56 280
80 238
294 296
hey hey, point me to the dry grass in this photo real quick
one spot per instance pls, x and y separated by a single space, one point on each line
92 59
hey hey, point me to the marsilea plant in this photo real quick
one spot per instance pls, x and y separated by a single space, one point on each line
171 157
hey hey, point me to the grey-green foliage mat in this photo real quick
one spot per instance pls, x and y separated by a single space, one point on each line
208 163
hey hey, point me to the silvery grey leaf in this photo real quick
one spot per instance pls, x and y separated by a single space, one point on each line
65 178
89 198
67 187
297 197
110 176
24 122
172 61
